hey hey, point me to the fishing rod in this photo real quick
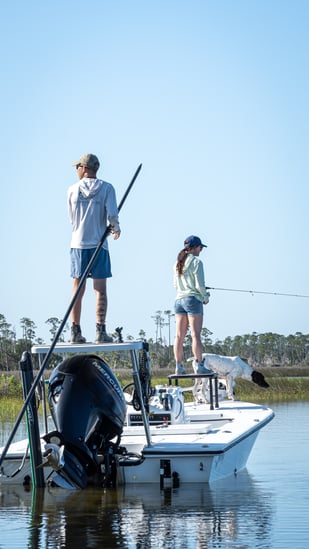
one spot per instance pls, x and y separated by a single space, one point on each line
63 322
252 292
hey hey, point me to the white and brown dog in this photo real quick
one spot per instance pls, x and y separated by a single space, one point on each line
228 368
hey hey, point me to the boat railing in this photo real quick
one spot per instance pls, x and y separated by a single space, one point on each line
213 385
134 347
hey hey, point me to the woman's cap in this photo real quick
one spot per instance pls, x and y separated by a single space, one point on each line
193 241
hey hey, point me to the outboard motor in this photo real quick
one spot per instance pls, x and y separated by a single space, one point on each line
88 408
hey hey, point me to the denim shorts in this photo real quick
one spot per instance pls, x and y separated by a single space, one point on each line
80 259
188 306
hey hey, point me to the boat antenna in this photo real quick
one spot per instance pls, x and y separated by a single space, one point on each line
63 322
252 292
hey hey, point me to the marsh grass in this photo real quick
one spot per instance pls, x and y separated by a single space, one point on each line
10 408
285 384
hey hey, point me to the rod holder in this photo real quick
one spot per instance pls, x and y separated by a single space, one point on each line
26 368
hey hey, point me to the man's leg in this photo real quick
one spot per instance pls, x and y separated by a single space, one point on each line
77 307
99 286
76 334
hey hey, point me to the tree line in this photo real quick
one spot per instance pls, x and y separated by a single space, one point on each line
266 349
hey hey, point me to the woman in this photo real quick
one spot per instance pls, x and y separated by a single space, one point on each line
191 296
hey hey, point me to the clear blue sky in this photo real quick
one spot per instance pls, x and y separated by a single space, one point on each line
211 96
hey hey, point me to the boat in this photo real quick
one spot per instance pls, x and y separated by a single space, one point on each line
105 435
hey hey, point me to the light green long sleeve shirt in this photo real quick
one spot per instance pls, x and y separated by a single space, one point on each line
192 281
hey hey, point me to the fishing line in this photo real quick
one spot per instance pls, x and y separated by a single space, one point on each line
252 292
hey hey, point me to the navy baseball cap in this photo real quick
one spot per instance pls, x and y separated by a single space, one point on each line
193 241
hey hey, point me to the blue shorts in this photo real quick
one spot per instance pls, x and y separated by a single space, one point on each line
80 259
188 306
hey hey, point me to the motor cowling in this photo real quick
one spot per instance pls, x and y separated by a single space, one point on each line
87 405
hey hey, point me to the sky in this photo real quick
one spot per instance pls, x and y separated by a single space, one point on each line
211 96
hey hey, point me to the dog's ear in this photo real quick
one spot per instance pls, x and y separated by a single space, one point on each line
259 379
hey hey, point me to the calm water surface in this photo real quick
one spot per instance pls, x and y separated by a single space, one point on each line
264 507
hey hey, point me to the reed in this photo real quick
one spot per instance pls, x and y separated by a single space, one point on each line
284 385
10 408
281 387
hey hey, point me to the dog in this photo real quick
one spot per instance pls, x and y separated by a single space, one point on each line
228 368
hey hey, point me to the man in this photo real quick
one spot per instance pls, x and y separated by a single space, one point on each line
92 204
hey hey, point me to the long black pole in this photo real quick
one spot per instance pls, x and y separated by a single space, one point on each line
63 323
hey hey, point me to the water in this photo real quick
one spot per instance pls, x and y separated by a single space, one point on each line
264 507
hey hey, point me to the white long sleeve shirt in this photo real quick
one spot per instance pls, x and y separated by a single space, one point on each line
92 204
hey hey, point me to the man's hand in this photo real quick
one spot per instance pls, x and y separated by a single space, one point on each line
116 234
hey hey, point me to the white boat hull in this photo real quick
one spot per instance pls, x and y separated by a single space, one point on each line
214 445
188 466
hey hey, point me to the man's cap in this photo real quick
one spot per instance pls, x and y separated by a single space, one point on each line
193 241
89 161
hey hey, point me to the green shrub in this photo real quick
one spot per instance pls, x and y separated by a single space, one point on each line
10 386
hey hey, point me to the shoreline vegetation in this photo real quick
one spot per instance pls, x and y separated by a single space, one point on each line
285 384
258 349
284 360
